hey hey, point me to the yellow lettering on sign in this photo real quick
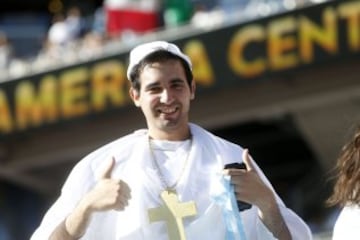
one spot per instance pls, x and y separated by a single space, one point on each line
325 36
281 44
5 114
49 96
33 108
202 68
351 12
236 56
108 84
74 93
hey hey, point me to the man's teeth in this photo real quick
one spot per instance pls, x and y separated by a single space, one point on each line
168 110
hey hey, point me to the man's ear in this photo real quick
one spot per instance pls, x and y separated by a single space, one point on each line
193 88
134 94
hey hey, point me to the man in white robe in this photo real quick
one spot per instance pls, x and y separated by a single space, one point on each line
110 193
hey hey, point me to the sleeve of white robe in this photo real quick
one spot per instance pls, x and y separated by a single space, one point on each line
79 181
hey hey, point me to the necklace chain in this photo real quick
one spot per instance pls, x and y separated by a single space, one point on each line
158 169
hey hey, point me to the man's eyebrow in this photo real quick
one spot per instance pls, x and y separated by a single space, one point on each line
151 85
177 80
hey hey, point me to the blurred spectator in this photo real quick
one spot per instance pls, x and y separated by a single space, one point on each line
18 67
75 23
177 12
205 18
91 46
99 21
48 56
55 55
58 32
5 54
233 6
136 16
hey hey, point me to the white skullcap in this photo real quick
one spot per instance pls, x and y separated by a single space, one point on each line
143 50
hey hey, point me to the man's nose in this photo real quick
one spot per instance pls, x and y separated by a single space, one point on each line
166 96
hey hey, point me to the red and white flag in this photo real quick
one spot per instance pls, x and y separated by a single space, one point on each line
138 16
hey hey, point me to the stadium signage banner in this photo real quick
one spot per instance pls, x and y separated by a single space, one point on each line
238 54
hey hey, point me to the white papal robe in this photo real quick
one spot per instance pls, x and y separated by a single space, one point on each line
207 157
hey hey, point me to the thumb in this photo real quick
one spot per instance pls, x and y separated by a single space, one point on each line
108 169
247 160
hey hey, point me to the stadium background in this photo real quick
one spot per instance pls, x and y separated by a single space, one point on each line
280 79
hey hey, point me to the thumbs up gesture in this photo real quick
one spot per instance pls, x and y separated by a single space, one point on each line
248 185
108 193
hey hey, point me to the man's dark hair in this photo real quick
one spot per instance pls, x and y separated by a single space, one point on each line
158 56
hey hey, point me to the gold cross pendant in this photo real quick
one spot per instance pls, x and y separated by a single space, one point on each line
173 213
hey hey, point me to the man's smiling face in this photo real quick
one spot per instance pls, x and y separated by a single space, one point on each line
164 98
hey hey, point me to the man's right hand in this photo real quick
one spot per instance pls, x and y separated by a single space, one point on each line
108 193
